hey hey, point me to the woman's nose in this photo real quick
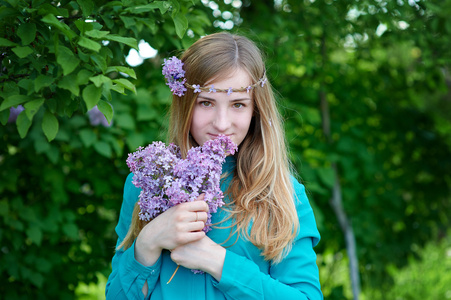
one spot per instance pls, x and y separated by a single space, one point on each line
222 121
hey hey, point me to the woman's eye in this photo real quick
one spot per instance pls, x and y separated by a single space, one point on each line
238 105
205 103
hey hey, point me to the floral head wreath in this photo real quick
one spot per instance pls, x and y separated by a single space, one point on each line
175 77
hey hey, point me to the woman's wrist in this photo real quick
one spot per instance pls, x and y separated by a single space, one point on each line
146 252
215 262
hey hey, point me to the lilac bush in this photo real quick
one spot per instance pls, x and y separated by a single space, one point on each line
167 180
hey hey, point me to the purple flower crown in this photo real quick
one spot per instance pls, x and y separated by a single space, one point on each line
175 77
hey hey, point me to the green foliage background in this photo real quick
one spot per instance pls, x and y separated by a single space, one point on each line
388 94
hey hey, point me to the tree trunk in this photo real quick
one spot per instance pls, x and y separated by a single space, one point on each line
336 200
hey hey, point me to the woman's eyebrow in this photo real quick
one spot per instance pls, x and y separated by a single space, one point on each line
232 100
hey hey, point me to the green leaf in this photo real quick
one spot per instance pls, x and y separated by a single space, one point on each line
118 88
50 125
6 43
134 140
52 20
128 21
130 72
4 116
4 208
96 34
71 230
87 7
113 3
146 113
83 26
23 124
34 233
13 100
125 121
99 80
27 84
37 279
47 8
27 33
42 81
103 148
175 6
89 44
22 52
327 176
126 84
83 76
91 95
106 109
88 137
32 107
70 83
67 60
181 24
131 42
6 12
163 6
100 61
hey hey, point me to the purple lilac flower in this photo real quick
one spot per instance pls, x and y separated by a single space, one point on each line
264 81
14 113
248 89
212 89
196 88
167 180
175 75
97 118
229 91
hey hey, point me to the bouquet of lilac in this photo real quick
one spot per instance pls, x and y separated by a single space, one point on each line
167 180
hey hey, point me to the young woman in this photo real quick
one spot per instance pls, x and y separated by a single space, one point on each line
261 244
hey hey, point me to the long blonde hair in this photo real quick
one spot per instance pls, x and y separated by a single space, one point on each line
260 190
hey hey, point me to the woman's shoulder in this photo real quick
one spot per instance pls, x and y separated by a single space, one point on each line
307 222
131 195
300 195
131 192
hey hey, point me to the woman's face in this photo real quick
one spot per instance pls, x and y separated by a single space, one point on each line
219 113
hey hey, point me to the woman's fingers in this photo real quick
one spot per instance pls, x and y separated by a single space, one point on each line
198 205
200 216
188 237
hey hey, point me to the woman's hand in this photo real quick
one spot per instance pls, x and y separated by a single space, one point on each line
203 254
179 225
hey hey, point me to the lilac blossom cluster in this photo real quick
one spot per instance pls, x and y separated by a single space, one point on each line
167 180
96 118
14 113
175 75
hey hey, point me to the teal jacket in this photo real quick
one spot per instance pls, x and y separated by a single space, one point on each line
245 275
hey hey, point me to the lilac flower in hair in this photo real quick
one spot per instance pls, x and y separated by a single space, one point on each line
175 75
229 91
196 88
212 89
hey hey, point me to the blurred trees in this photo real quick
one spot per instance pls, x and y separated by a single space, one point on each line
381 67
61 170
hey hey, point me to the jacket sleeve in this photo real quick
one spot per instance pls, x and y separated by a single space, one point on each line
128 275
296 277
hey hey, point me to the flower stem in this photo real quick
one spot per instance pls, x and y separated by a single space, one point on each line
173 274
